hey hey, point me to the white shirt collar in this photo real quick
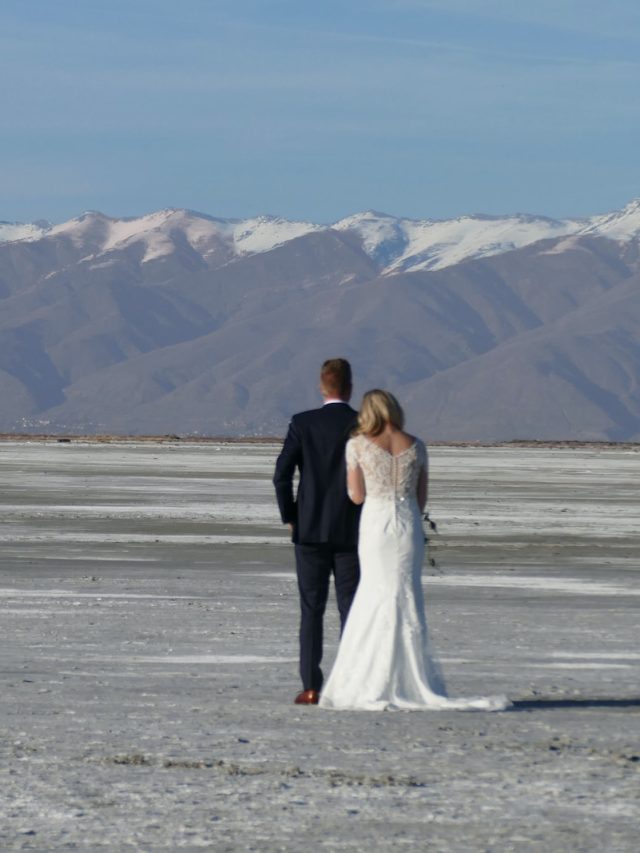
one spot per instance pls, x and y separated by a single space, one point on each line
333 400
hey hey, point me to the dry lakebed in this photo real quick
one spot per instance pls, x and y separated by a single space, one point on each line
148 617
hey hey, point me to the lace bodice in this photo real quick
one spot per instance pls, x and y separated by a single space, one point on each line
387 476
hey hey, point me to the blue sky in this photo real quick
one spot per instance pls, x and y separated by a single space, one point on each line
420 108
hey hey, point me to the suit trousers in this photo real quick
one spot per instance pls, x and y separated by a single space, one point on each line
315 563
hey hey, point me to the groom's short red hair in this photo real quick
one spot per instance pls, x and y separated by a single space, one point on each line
335 377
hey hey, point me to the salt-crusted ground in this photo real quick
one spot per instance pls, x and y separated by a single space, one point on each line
148 617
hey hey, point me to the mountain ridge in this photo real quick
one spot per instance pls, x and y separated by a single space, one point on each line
161 326
394 243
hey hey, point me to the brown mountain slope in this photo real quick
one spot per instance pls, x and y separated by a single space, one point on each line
538 342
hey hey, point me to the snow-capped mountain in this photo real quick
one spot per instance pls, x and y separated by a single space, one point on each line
621 225
160 233
10 231
180 322
406 245
394 244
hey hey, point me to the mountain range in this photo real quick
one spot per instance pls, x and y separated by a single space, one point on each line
486 328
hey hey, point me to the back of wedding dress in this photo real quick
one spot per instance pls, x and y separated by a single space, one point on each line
384 660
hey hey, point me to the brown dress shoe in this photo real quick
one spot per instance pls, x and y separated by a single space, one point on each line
307 697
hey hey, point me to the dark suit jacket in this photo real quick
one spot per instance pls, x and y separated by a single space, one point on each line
321 511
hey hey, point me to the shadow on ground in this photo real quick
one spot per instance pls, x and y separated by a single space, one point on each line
585 703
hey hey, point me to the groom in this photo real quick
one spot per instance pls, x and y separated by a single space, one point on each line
323 521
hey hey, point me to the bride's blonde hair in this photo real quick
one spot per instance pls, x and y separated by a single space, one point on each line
379 408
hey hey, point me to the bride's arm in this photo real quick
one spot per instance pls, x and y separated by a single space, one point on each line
423 477
355 478
355 484
423 489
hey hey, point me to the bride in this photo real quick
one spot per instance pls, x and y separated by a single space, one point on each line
384 660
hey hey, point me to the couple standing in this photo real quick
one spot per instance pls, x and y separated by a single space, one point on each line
349 462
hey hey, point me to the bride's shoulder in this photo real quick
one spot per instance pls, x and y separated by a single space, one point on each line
421 450
418 445
411 440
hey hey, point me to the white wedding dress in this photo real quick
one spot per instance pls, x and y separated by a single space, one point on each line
384 660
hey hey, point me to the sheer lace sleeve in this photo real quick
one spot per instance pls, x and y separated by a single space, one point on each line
352 454
422 455
356 488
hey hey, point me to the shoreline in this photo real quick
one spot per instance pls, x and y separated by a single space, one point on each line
107 438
